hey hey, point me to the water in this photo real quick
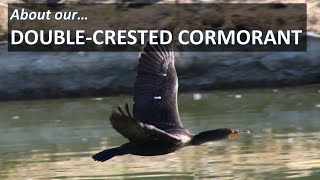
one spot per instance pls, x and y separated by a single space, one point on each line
55 139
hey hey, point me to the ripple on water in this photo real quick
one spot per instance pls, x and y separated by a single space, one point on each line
56 139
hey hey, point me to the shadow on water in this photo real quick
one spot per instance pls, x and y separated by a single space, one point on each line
55 139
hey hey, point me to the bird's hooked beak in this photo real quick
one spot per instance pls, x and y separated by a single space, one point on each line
236 132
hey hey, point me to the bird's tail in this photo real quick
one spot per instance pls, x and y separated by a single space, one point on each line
108 154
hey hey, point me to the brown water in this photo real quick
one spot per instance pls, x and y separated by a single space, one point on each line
55 139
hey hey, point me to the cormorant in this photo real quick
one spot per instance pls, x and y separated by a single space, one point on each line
155 127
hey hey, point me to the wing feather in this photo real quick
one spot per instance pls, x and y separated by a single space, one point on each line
136 131
155 90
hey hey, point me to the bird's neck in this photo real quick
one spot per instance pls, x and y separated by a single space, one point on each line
212 135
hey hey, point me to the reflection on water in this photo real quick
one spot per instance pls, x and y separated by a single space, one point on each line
55 139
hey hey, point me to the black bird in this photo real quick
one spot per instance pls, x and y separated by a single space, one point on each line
155 127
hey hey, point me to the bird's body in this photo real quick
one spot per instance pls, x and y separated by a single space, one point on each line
159 147
155 127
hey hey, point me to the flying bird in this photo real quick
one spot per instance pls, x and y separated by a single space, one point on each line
154 127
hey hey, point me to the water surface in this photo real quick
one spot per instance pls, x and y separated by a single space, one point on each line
55 139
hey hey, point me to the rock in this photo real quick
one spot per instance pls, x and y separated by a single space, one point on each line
243 69
34 75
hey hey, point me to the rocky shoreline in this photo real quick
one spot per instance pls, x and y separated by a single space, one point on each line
34 75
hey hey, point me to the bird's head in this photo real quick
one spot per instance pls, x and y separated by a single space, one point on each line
235 132
216 134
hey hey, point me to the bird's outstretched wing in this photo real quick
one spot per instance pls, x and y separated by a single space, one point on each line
136 131
155 89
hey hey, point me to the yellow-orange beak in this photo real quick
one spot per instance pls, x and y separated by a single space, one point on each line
236 133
